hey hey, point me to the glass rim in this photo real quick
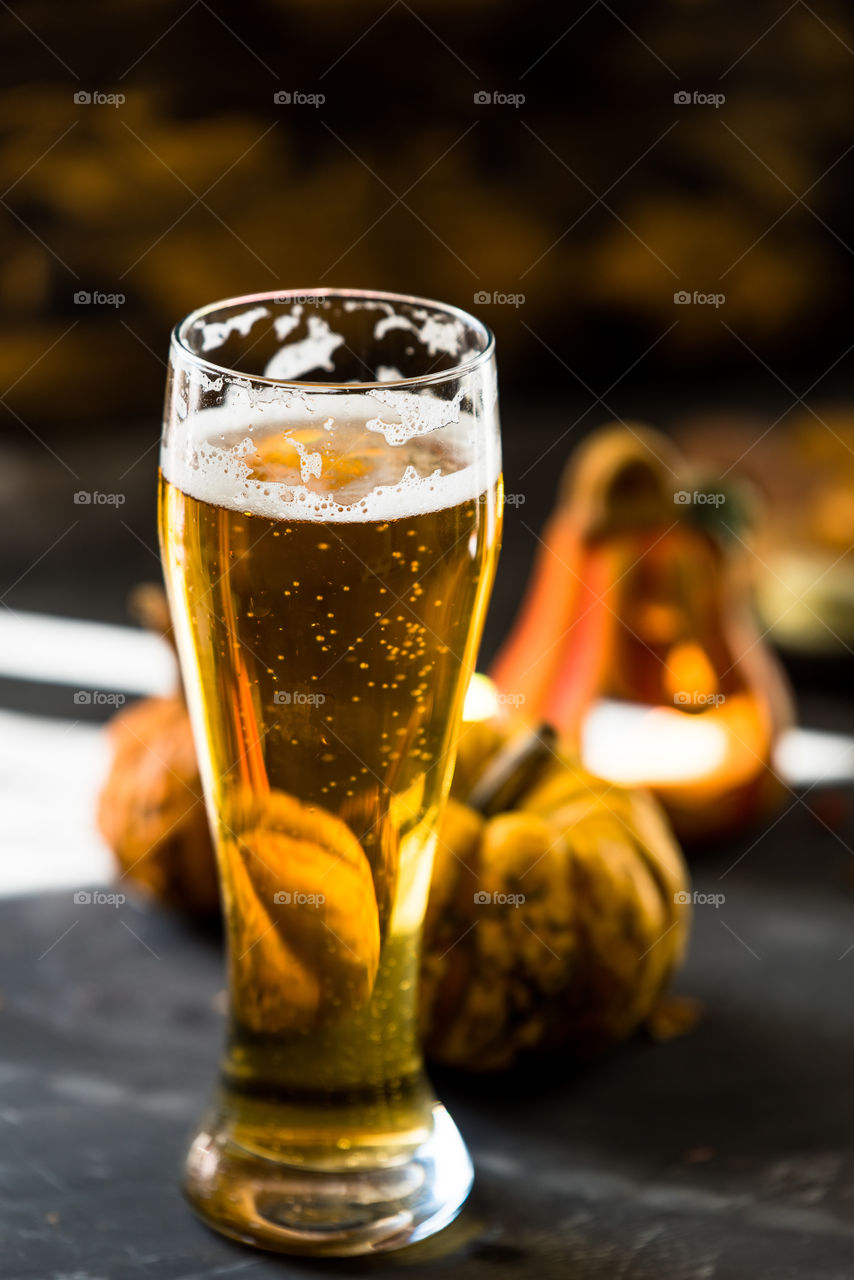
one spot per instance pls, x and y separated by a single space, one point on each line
178 340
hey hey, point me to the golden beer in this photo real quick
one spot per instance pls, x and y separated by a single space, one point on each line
329 663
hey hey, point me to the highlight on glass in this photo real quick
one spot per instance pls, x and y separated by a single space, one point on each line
330 517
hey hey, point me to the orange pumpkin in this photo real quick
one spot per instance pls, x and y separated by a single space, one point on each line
555 926
640 599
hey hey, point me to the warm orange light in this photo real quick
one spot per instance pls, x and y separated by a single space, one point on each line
689 677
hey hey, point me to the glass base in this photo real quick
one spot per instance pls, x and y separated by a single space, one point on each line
331 1211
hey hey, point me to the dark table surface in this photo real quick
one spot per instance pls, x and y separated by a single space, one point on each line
722 1155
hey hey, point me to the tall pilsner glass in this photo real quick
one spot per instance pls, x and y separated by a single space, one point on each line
330 515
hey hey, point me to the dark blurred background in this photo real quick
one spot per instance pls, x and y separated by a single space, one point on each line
146 164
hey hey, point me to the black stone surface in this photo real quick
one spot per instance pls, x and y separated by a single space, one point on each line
723 1155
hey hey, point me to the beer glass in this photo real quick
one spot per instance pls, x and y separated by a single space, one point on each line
330 515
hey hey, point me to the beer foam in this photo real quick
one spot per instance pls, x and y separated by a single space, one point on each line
210 458
438 332
215 332
416 415
296 359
